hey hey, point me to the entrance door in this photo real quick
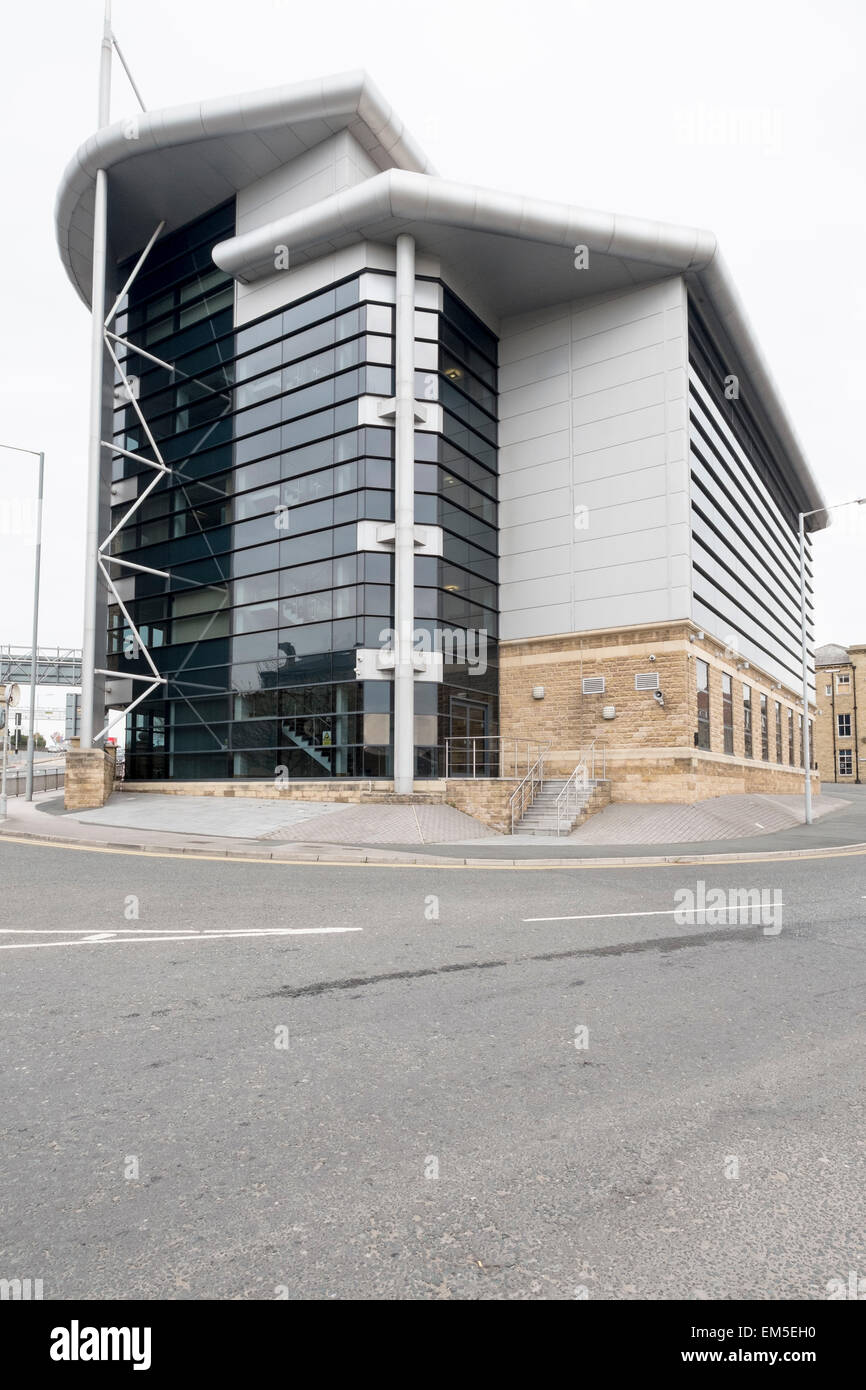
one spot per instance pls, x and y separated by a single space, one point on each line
470 751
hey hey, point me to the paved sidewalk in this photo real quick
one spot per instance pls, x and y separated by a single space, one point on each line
284 821
246 818
348 833
840 821
247 827
717 818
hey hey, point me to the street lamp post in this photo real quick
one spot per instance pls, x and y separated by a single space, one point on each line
31 737
8 699
4 750
807 787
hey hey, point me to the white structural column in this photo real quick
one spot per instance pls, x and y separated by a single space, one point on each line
404 518
90 717
89 713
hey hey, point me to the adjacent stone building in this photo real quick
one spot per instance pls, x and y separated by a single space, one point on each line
840 735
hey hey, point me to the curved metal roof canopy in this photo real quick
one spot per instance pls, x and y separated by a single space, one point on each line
174 165
518 251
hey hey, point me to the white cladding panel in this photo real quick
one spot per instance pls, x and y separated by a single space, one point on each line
331 167
337 163
593 464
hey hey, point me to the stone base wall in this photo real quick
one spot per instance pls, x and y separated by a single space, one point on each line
434 797
330 790
485 798
597 802
89 777
683 776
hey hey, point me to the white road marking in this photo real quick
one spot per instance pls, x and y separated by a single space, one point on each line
79 931
170 931
663 912
163 935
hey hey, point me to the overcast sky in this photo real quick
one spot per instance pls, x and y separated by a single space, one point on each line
747 118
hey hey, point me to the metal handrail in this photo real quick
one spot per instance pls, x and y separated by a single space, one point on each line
490 755
598 748
584 773
570 791
524 794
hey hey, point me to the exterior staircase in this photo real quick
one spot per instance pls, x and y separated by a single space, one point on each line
555 805
540 818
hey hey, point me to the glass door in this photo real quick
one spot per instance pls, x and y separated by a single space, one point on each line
470 753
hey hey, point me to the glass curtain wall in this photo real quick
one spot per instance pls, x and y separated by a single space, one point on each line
456 597
268 600
256 630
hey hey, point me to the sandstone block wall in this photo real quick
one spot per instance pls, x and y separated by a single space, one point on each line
485 798
89 777
650 751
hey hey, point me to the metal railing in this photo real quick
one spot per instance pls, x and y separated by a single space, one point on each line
575 794
491 756
571 799
595 761
523 796
16 782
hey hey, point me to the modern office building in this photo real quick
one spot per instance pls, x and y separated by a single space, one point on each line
435 476
840 674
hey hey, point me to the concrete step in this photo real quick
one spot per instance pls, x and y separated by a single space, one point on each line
550 801
538 805
598 795
549 807
540 817
545 821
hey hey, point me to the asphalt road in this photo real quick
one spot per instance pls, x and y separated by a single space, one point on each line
42 757
429 1129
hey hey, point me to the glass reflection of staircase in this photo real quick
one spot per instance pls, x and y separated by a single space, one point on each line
306 746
